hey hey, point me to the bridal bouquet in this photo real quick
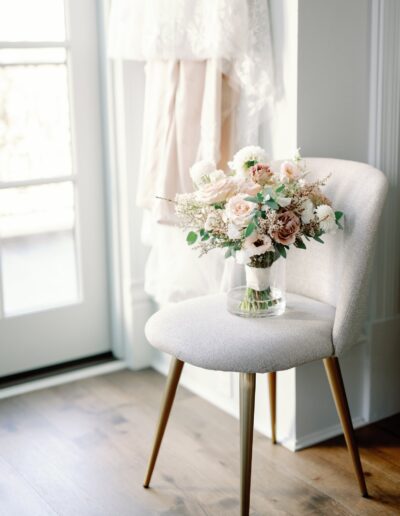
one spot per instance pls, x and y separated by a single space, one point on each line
255 212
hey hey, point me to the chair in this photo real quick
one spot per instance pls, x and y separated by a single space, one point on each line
327 292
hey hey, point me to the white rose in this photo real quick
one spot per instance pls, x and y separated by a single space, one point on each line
218 191
200 171
326 218
307 213
238 211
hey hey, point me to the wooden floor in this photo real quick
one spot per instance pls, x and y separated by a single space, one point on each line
81 449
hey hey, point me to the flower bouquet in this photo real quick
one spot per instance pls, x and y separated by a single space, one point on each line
255 213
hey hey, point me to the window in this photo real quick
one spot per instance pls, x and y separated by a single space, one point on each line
38 249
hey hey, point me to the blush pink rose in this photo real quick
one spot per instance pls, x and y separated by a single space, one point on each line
289 224
218 191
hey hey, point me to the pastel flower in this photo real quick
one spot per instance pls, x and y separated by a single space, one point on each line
234 232
289 171
289 226
262 174
326 218
307 213
254 245
218 191
248 187
200 172
245 158
239 211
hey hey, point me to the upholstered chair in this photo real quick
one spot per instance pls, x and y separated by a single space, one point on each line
327 289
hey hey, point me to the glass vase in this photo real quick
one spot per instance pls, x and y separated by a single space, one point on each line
264 292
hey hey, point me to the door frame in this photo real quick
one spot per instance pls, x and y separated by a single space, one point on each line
129 305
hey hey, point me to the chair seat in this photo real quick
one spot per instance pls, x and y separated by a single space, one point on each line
202 332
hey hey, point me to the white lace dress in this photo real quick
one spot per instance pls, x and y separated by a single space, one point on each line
209 73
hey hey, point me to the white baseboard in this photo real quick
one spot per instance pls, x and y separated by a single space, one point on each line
72 376
322 435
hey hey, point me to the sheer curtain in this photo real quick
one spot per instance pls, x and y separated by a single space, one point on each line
208 76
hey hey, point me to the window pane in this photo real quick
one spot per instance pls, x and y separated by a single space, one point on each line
32 20
32 55
36 209
35 137
38 272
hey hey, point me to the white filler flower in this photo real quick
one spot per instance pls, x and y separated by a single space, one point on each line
326 218
308 211
244 159
200 172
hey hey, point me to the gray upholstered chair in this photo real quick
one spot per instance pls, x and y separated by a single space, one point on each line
327 290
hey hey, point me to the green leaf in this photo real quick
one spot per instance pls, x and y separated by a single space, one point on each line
272 204
318 239
280 189
281 250
260 197
205 236
249 230
191 238
250 163
252 199
300 244
338 215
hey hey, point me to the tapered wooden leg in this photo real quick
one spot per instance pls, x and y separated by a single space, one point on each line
272 404
174 374
247 397
335 379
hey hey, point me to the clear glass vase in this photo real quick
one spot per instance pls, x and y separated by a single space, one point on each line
264 292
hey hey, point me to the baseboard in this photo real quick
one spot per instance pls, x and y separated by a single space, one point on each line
322 435
59 379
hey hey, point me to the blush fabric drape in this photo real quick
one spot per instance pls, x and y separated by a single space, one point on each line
208 75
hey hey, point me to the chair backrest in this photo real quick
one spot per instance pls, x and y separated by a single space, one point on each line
337 272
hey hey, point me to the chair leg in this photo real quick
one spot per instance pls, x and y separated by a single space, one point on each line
247 397
335 379
174 374
272 404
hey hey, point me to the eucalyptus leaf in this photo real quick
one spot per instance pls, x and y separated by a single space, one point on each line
281 250
191 238
249 230
272 204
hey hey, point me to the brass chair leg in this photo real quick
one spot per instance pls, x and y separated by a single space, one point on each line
247 397
174 374
272 404
335 379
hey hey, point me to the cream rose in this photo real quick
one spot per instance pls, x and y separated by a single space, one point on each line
218 191
238 211
289 224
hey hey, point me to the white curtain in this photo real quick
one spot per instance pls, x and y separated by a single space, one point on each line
208 76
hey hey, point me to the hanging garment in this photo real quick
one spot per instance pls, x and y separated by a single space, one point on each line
208 75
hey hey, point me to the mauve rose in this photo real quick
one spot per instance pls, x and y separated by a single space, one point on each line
290 226
262 174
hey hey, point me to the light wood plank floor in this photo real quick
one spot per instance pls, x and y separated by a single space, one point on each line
81 449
